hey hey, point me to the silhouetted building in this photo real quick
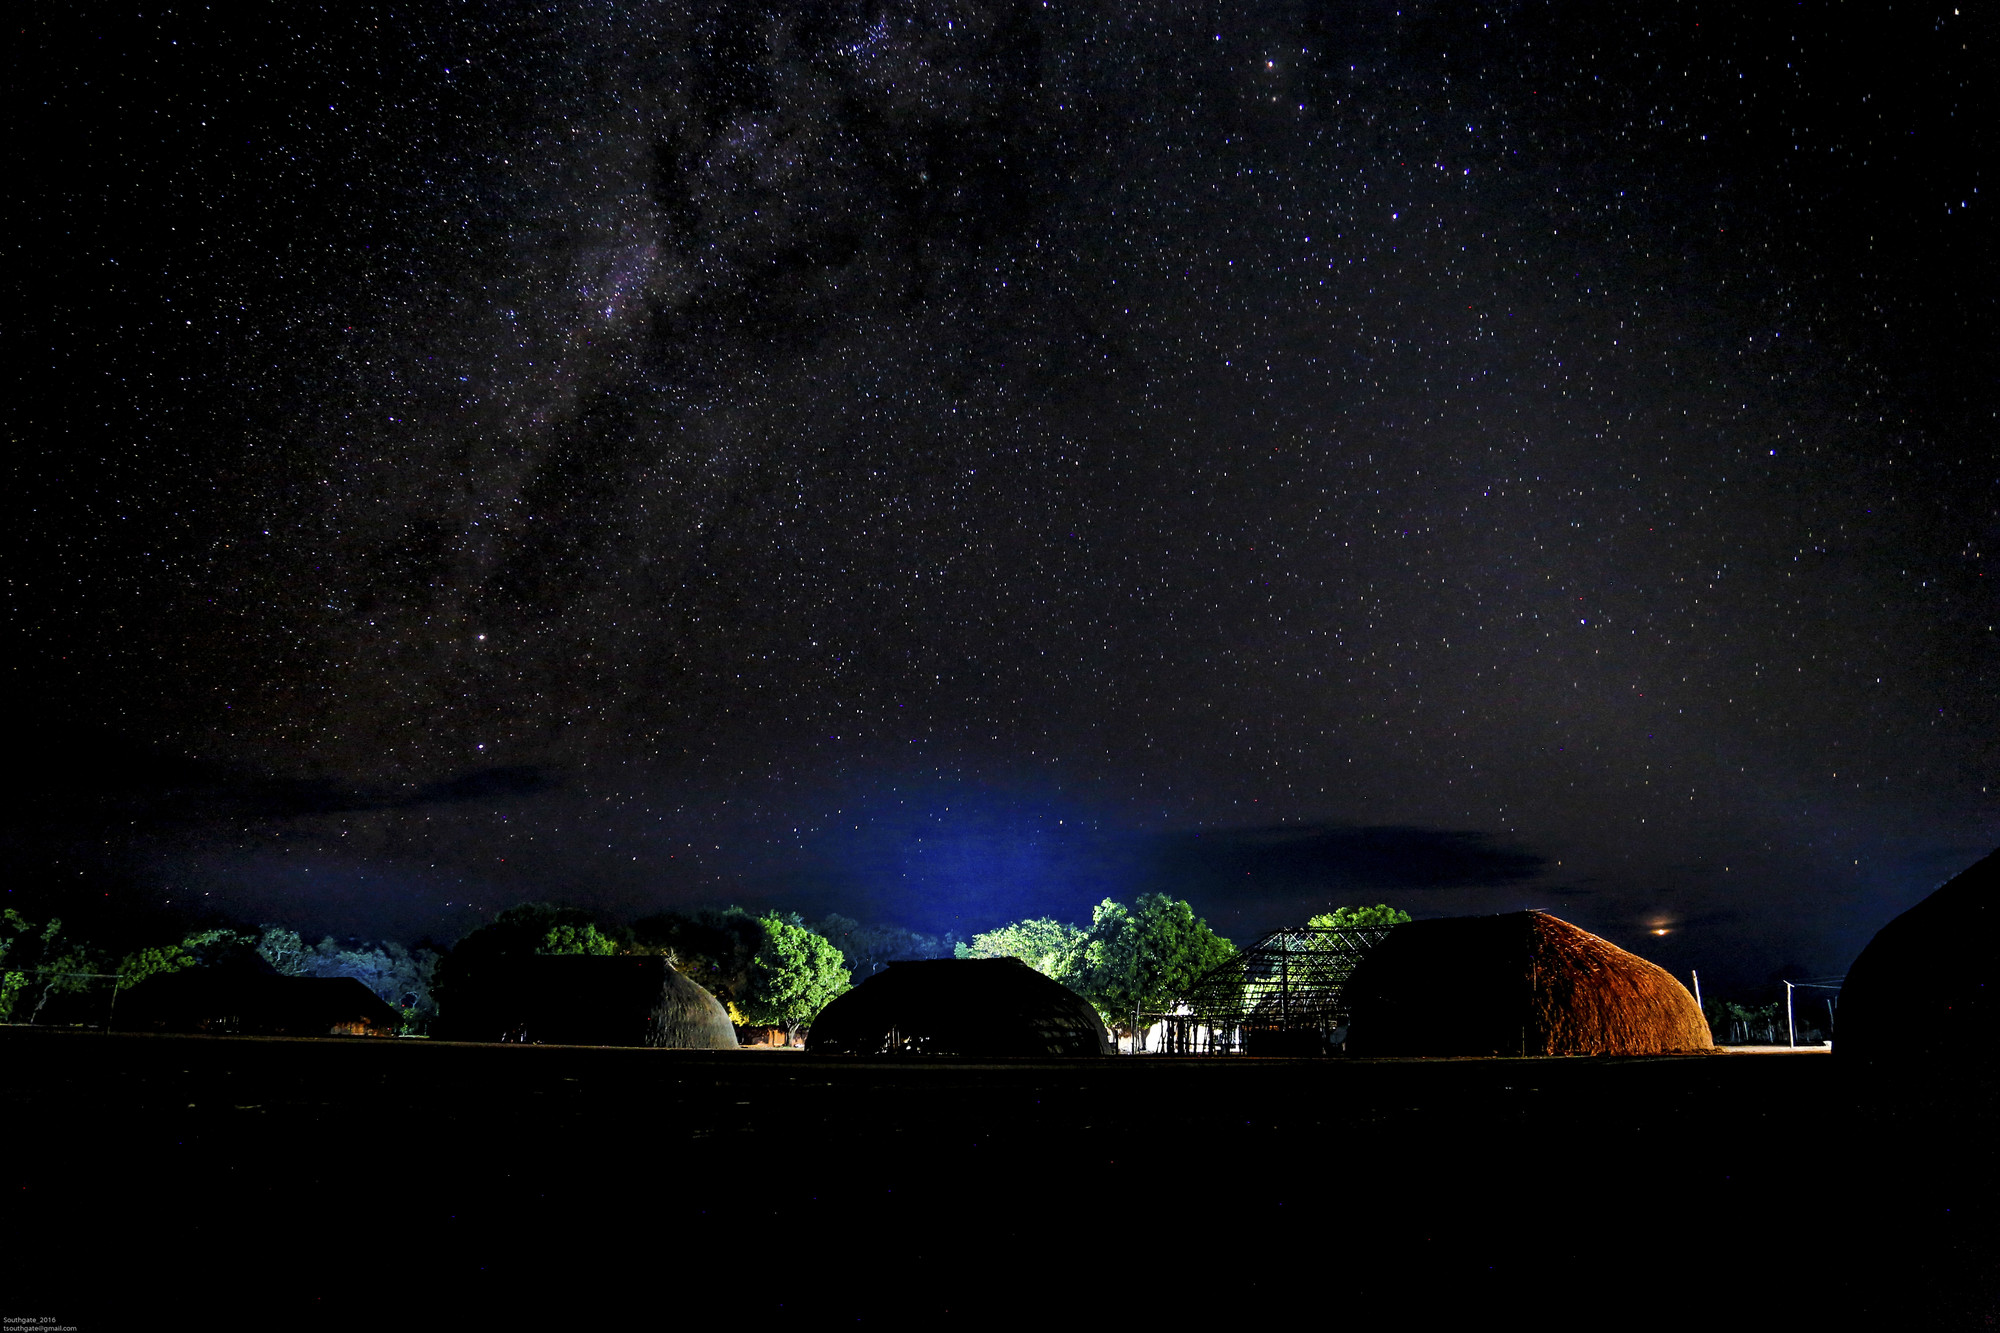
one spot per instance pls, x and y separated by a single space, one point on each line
959 1006
227 1000
583 1000
1923 999
1525 983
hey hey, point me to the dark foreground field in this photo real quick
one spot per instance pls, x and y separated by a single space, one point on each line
247 1183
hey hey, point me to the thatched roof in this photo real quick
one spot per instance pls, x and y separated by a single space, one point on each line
581 1000
230 999
1525 983
1926 990
959 1006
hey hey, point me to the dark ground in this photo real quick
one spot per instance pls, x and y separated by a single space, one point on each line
251 1183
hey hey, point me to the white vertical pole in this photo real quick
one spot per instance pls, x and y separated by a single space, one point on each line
1791 1031
1697 990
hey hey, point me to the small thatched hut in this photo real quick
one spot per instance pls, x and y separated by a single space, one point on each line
582 1000
1924 996
1525 983
959 1006
239 1000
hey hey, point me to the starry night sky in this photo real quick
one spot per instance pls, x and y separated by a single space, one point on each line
945 462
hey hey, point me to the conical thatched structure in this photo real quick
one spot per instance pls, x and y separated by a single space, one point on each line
580 1000
1525 983
959 1006
1924 996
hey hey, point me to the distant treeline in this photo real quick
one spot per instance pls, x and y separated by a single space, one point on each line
48 975
770 969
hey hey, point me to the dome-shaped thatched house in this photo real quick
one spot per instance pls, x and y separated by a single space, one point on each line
223 1000
1924 996
959 1006
1525 983
582 1000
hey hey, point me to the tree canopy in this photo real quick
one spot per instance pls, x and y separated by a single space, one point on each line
712 946
32 953
203 948
1138 957
40 962
399 975
574 938
153 961
1381 914
869 949
283 950
530 928
794 974
1144 956
1053 948
542 928
769 970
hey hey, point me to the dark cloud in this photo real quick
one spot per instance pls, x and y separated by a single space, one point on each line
1255 879
91 778
1311 856
119 837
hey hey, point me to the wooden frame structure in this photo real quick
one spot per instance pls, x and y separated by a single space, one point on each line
1284 995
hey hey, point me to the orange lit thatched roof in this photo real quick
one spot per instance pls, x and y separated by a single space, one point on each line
1525 983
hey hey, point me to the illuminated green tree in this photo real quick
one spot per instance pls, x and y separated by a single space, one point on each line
158 960
1143 957
585 938
793 976
24 948
1053 948
37 962
531 928
203 948
1341 917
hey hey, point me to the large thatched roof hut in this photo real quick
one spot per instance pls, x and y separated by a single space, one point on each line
583 1000
240 1000
959 1006
1525 983
1924 996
